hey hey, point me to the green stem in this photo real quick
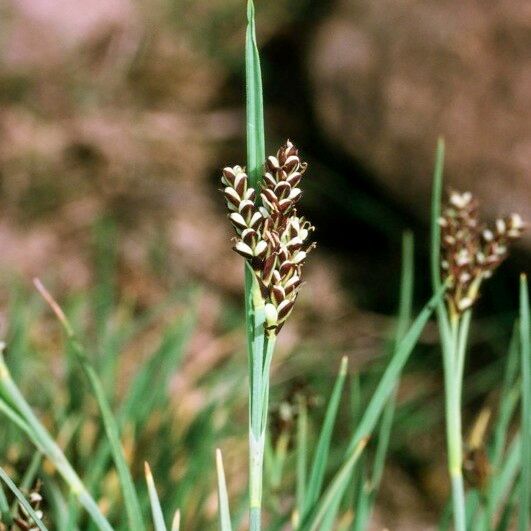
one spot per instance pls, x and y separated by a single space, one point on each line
42 439
261 355
254 305
453 384
462 340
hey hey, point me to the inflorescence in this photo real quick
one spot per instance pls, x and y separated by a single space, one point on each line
270 234
470 251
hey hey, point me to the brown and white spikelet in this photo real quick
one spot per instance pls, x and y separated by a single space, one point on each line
269 233
23 520
470 251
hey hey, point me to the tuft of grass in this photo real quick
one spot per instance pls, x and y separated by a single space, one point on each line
87 437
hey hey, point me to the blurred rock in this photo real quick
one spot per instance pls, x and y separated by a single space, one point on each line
389 77
41 32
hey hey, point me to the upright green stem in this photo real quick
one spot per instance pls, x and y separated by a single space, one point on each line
254 304
454 334
453 385
262 347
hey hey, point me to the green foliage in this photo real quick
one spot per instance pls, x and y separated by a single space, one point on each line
84 436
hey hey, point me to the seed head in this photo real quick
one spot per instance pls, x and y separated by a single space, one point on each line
22 519
269 233
471 251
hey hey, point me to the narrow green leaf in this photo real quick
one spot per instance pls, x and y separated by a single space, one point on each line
255 151
404 319
56 506
176 522
149 387
21 498
223 498
506 517
302 453
329 520
29 475
5 514
368 489
435 251
407 278
435 215
42 439
506 476
15 417
509 398
473 508
323 446
337 487
156 510
254 103
392 372
132 505
525 351
374 409
150 383
253 316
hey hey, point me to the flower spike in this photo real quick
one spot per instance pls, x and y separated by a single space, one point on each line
470 251
270 235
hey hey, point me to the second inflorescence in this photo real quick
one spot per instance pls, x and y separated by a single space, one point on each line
470 250
269 233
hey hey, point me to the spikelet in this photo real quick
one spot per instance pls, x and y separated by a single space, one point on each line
23 520
471 252
269 233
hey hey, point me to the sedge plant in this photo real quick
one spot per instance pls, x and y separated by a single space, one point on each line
273 240
464 253
334 487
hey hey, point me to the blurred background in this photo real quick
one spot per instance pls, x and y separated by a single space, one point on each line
116 117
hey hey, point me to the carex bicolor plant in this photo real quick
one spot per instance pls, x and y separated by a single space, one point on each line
274 241
465 252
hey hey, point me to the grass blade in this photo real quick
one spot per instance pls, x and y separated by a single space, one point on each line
392 373
156 510
435 251
335 491
148 388
506 476
254 103
14 417
5 514
30 474
44 442
223 498
509 399
152 380
372 412
436 214
302 452
132 505
176 522
525 350
323 446
384 432
22 500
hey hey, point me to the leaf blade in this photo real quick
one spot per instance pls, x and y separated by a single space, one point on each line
156 510
223 498
22 500
323 446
